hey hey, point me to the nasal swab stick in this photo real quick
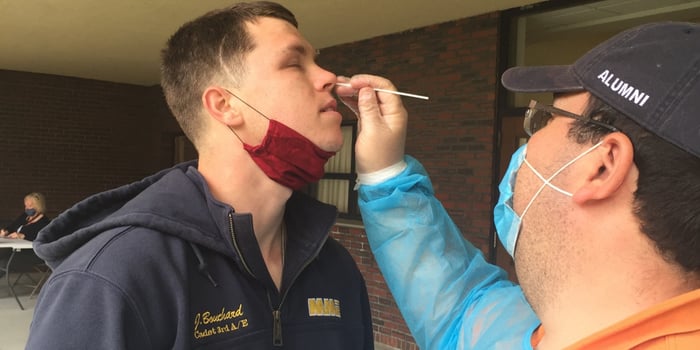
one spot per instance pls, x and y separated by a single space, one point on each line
391 92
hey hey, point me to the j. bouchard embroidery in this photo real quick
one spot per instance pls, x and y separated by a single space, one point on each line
207 323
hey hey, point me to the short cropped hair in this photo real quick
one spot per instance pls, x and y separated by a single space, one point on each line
667 199
201 50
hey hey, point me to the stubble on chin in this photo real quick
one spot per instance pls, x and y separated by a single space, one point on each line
543 258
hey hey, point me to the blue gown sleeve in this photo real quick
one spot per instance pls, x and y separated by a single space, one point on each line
449 296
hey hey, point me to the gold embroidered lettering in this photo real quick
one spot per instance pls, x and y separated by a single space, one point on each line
207 318
324 307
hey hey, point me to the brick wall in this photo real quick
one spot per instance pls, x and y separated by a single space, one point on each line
70 137
389 327
452 134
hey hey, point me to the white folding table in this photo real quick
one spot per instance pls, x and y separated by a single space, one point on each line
17 245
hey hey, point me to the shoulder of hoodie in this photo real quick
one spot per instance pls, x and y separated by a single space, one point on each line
129 267
124 253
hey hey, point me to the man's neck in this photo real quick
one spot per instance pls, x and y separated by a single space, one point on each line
608 298
248 190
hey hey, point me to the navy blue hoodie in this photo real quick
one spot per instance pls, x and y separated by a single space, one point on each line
161 264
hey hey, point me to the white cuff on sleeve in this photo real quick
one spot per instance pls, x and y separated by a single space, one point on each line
382 175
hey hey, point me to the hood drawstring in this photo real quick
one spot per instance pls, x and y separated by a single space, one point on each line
202 267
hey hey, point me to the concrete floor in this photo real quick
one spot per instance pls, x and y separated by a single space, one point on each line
14 323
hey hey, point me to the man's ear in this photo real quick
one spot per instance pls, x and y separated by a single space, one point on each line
608 169
217 103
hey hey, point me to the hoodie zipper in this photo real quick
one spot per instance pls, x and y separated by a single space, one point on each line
277 328
276 312
235 244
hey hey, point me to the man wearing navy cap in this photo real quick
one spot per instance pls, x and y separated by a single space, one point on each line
600 210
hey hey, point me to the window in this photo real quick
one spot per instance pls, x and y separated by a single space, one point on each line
336 186
558 32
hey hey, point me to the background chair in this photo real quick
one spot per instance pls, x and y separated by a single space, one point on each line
25 269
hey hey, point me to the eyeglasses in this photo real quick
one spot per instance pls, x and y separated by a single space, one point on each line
538 115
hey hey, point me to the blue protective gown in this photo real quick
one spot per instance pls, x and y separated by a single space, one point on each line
449 296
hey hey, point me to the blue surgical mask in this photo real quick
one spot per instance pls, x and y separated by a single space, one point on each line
506 220
30 212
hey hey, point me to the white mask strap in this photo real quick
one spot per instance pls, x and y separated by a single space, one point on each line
547 182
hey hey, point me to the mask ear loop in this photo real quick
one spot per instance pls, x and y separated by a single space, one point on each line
547 182
249 106
238 137
246 103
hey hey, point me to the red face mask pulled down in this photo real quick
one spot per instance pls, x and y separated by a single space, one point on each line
288 157
285 155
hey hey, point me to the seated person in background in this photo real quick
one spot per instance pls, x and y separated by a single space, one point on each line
31 221
27 225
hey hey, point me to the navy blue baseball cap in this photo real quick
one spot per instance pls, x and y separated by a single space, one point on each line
650 73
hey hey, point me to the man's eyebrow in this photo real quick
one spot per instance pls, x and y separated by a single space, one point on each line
300 49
